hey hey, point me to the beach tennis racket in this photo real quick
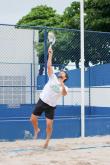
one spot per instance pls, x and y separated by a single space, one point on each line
51 39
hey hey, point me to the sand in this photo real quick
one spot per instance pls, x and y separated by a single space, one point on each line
74 151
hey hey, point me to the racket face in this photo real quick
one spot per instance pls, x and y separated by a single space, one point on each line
51 38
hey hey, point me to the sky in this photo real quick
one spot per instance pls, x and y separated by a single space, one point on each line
13 10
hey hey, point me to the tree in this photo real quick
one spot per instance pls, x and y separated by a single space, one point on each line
71 16
41 16
97 48
97 15
67 47
97 45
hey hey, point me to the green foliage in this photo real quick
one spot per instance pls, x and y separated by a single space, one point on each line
67 46
97 15
97 45
71 16
97 48
41 16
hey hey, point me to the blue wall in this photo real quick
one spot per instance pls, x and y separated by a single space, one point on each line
94 76
67 123
14 122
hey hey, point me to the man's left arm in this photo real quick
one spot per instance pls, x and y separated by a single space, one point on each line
64 91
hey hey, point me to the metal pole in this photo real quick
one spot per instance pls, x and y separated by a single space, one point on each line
45 53
33 71
31 83
82 67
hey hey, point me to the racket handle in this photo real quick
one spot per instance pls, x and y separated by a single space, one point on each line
50 46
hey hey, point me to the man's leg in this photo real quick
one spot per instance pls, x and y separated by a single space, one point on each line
34 120
49 125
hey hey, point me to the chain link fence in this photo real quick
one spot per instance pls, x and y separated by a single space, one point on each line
23 63
97 65
24 54
17 65
66 56
23 74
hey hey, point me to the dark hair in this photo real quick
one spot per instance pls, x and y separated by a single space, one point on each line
66 75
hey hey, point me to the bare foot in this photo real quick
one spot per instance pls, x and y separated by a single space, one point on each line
46 143
36 133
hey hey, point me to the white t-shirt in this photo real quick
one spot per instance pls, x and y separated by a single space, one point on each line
52 91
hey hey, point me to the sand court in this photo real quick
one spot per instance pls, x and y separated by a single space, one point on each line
74 151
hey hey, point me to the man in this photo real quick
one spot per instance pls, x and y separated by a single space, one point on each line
49 96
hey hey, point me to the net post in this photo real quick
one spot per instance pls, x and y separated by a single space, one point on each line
31 81
45 52
82 67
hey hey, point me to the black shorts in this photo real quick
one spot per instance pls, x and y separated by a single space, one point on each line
43 107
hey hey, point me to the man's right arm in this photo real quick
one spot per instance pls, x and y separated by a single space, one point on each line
49 62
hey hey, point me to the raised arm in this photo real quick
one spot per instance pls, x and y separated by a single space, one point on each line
49 62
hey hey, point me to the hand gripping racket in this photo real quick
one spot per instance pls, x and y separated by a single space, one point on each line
51 39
